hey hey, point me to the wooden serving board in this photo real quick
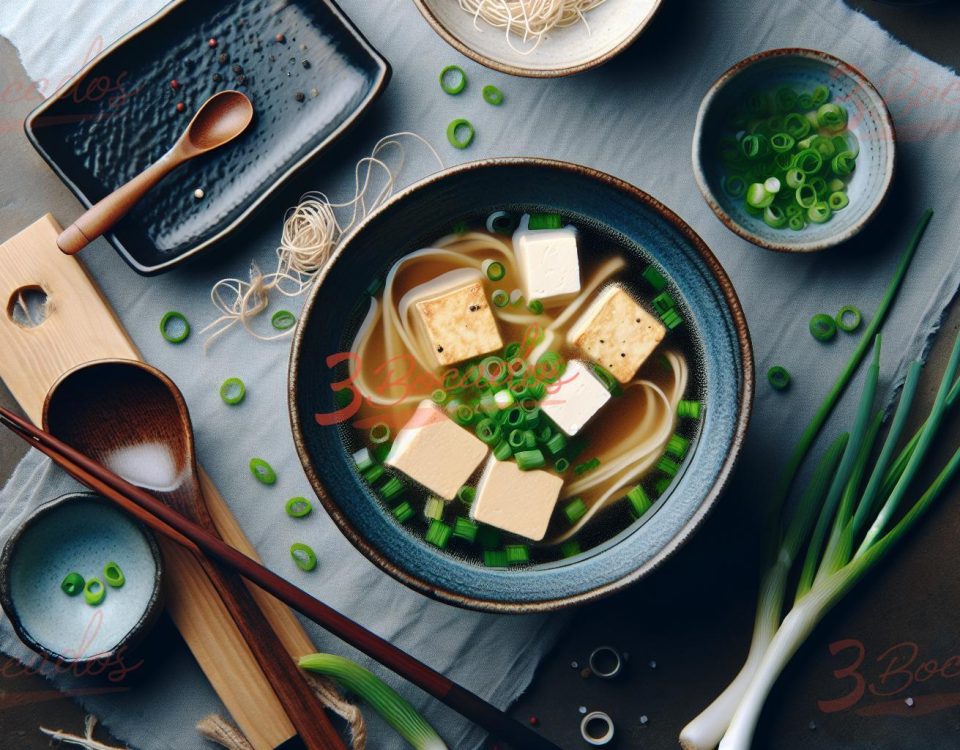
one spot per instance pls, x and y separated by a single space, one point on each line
80 327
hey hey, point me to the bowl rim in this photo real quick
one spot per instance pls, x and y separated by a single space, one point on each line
530 72
149 615
711 496
886 122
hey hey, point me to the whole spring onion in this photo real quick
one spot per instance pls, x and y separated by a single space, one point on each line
731 717
383 699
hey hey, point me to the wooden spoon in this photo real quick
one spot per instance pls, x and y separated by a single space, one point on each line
131 418
220 119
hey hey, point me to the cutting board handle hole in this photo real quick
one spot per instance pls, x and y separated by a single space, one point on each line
28 306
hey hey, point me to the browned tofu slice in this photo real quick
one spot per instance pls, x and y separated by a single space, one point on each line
617 333
459 324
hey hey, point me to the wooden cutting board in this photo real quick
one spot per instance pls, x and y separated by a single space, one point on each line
80 327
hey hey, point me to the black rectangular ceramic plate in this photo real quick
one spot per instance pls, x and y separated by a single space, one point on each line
308 71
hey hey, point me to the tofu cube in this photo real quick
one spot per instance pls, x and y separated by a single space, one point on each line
455 317
616 332
520 502
549 263
575 398
435 451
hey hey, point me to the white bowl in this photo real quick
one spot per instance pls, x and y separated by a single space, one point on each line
609 29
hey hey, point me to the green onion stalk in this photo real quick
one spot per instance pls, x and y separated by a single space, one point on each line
841 526
382 698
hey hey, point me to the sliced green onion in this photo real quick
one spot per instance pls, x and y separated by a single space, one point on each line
298 507
663 302
796 223
561 465
838 200
495 558
464 415
606 377
832 116
662 485
373 473
654 278
809 161
94 591
233 391
439 396
453 79
823 327
500 298
488 430
782 142
433 508
383 699
363 459
734 186
72 584
262 471
639 501
460 133
403 512
849 318
586 466
545 221
303 556
535 306
796 125
464 528
671 319
492 95
570 548
677 446
778 377
556 443
795 178
174 327
689 409
113 575
806 195
379 433
773 216
494 270
668 466
391 488
758 196
283 320
529 460
819 212
438 534
517 554
500 222
502 451
575 510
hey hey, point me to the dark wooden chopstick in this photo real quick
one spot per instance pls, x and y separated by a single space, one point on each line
180 529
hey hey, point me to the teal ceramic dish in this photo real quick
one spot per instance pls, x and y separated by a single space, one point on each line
869 121
80 533
610 208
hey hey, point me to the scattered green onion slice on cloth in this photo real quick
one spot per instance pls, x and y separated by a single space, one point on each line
304 557
382 698
174 327
453 79
113 575
233 391
298 507
823 327
94 591
262 471
849 318
283 320
460 133
492 95
778 377
72 584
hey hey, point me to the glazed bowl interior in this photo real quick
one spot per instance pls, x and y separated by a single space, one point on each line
79 533
869 120
609 28
622 216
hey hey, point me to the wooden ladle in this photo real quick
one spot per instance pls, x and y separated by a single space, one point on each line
220 119
132 418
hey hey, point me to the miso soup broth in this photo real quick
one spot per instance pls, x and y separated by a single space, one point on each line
530 389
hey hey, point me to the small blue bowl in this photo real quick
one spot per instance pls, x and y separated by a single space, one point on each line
80 533
622 215
869 121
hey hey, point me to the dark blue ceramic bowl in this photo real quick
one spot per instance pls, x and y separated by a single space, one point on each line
609 207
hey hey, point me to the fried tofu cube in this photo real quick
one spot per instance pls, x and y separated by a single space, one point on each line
435 451
549 263
616 332
520 502
575 398
455 317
